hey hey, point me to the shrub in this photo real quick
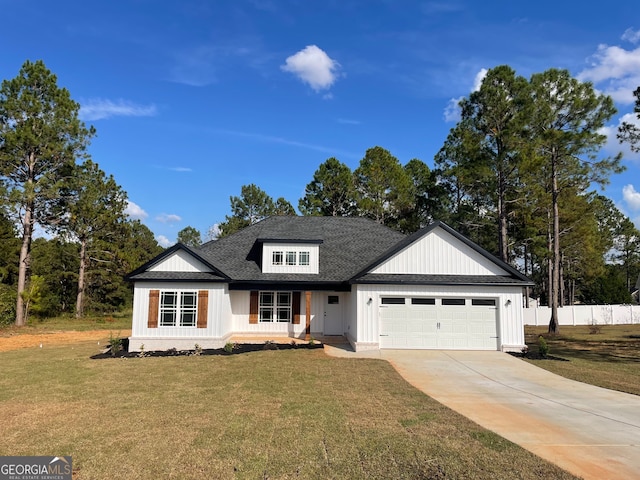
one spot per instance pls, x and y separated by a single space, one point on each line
229 346
270 345
543 348
116 344
7 304
197 350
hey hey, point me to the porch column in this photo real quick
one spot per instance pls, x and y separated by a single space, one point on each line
307 302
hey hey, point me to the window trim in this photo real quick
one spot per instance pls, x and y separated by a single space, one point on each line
290 258
277 257
304 258
276 307
178 309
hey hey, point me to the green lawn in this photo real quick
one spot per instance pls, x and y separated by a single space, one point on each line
271 414
609 358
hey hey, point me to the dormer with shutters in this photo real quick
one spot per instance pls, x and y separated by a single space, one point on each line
290 256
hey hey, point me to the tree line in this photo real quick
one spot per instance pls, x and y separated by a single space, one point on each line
48 179
518 174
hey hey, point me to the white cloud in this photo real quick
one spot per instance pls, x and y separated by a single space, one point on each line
214 232
313 66
98 109
615 71
477 83
135 211
452 110
613 146
631 197
168 218
164 241
630 35
180 169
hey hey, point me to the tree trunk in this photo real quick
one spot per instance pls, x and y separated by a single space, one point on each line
24 264
81 282
526 273
549 259
503 240
554 328
562 292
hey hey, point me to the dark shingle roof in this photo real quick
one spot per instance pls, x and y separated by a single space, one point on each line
440 279
348 245
184 276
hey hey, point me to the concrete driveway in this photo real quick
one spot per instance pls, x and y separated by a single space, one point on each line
589 431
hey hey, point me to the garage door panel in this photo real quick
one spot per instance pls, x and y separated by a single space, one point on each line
459 327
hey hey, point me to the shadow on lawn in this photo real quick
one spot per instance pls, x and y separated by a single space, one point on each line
237 348
611 351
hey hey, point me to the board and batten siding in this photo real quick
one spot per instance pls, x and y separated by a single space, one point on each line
439 253
267 257
158 338
240 303
367 323
180 261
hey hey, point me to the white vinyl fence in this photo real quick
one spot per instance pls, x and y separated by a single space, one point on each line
585 315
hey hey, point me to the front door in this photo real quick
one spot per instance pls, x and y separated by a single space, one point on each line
333 314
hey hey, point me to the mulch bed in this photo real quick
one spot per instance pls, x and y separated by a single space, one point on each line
237 348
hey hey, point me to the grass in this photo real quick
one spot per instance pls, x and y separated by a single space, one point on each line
270 414
113 321
609 359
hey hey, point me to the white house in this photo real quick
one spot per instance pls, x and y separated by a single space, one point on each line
324 276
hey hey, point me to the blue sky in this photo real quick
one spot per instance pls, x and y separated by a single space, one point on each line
192 99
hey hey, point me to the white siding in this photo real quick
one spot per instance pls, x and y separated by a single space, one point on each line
267 257
180 261
218 318
439 253
510 322
241 325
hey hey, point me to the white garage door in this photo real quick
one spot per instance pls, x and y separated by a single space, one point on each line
438 323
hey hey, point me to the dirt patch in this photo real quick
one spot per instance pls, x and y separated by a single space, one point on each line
45 339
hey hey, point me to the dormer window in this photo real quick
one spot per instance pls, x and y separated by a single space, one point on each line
291 256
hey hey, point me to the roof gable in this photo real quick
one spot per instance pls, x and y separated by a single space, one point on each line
180 261
439 250
178 258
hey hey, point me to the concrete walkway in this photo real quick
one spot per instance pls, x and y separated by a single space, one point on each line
589 431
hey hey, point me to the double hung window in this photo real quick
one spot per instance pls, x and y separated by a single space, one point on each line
178 309
275 306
